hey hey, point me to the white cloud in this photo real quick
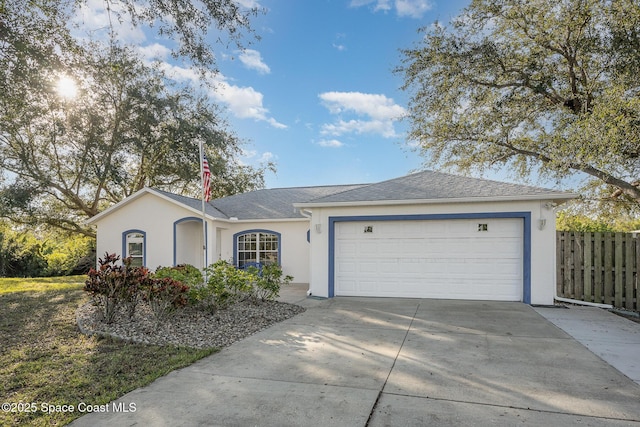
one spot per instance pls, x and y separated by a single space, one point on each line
92 17
154 51
180 74
248 153
341 127
378 4
253 60
252 157
243 102
378 111
249 4
376 106
411 8
334 143
337 44
267 156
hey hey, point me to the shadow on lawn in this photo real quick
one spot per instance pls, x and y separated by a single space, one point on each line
44 359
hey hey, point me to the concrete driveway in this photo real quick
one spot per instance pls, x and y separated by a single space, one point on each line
392 362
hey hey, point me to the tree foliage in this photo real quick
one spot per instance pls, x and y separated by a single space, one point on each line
64 160
24 253
535 85
40 32
190 21
128 128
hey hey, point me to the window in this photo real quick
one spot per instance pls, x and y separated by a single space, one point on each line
134 247
257 247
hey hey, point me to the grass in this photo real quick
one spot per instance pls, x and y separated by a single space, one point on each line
18 284
44 359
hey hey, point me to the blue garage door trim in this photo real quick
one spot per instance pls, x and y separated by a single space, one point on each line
526 252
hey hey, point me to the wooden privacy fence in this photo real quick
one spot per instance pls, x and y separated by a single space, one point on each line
598 267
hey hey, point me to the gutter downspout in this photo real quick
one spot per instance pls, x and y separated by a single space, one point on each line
305 213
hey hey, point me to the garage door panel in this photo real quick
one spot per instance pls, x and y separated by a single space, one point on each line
368 247
430 259
347 248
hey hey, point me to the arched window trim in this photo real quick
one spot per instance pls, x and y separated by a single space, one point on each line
125 252
257 230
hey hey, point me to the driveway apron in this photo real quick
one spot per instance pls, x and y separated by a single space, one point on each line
392 362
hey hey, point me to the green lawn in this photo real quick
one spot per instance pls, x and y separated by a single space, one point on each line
17 284
44 359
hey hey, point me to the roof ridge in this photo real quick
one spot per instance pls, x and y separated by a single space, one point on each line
436 185
171 193
312 186
359 186
495 181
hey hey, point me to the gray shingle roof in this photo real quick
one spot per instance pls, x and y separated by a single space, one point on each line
194 203
430 185
275 203
278 203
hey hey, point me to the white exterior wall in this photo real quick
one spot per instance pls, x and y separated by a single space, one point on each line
543 272
157 216
150 214
309 262
294 248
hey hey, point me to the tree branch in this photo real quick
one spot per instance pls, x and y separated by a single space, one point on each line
626 187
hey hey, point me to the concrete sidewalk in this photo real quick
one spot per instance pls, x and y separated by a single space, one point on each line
613 338
392 362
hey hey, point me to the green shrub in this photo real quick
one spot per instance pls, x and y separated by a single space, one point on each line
37 253
225 285
268 281
228 285
187 274
21 254
69 255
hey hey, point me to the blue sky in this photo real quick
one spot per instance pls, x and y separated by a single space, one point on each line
316 94
330 99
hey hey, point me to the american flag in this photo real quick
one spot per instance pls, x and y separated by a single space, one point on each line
206 179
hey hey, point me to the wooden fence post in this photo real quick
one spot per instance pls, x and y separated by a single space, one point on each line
588 267
568 267
629 270
597 267
618 267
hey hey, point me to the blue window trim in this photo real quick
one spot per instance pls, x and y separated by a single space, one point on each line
144 244
526 252
255 230
175 235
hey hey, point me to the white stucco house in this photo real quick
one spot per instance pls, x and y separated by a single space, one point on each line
425 235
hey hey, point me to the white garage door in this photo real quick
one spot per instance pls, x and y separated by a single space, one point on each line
478 259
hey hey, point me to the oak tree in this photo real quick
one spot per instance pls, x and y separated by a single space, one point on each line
128 127
65 159
542 86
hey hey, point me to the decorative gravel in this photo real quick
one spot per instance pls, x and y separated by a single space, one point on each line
189 326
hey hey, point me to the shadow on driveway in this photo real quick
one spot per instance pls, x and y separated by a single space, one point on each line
396 362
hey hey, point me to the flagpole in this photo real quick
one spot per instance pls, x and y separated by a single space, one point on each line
204 218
